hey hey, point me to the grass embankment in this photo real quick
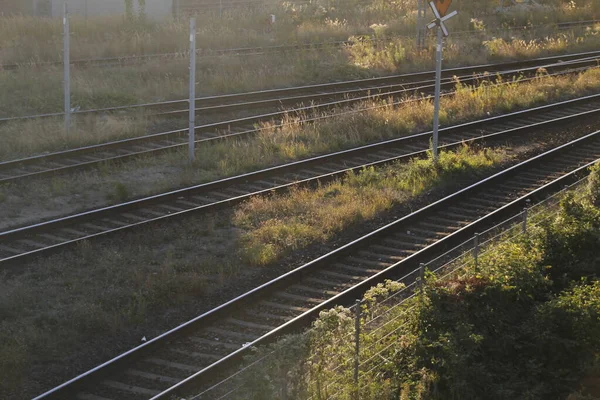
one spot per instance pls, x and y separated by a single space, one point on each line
376 32
525 324
113 292
272 146
274 226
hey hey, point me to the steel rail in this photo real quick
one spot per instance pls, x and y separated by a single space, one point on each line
44 237
290 302
122 150
271 94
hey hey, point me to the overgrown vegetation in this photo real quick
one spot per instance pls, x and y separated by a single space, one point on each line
523 324
278 225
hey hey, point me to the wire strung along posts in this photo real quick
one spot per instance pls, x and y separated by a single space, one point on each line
67 68
192 100
439 8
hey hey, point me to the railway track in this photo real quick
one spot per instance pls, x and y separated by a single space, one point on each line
44 237
242 51
190 356
122 150
287 96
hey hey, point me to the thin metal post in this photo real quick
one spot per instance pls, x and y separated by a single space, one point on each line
357 314
67 67
524 218
220 8
421 274
436 105
476 250
192 101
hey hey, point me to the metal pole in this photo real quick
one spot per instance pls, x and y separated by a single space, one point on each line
421 274
524 216
192 101
357 313
476 250
436 106
67 68
220 8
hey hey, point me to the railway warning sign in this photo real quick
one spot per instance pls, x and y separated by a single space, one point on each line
442 6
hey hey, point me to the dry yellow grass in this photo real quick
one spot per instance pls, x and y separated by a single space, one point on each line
34 91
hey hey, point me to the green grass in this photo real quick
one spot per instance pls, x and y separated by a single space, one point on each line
278 225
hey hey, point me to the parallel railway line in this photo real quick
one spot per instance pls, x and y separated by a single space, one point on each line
47 236
190 356
86 157
287 96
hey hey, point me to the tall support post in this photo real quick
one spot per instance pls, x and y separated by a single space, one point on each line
192 101
67 67
220 8
439 11
438 82
357 315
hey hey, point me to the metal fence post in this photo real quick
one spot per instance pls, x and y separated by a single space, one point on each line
357 314
524 218
476 250
67 67
192 101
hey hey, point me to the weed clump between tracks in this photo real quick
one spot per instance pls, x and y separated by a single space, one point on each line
281 224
